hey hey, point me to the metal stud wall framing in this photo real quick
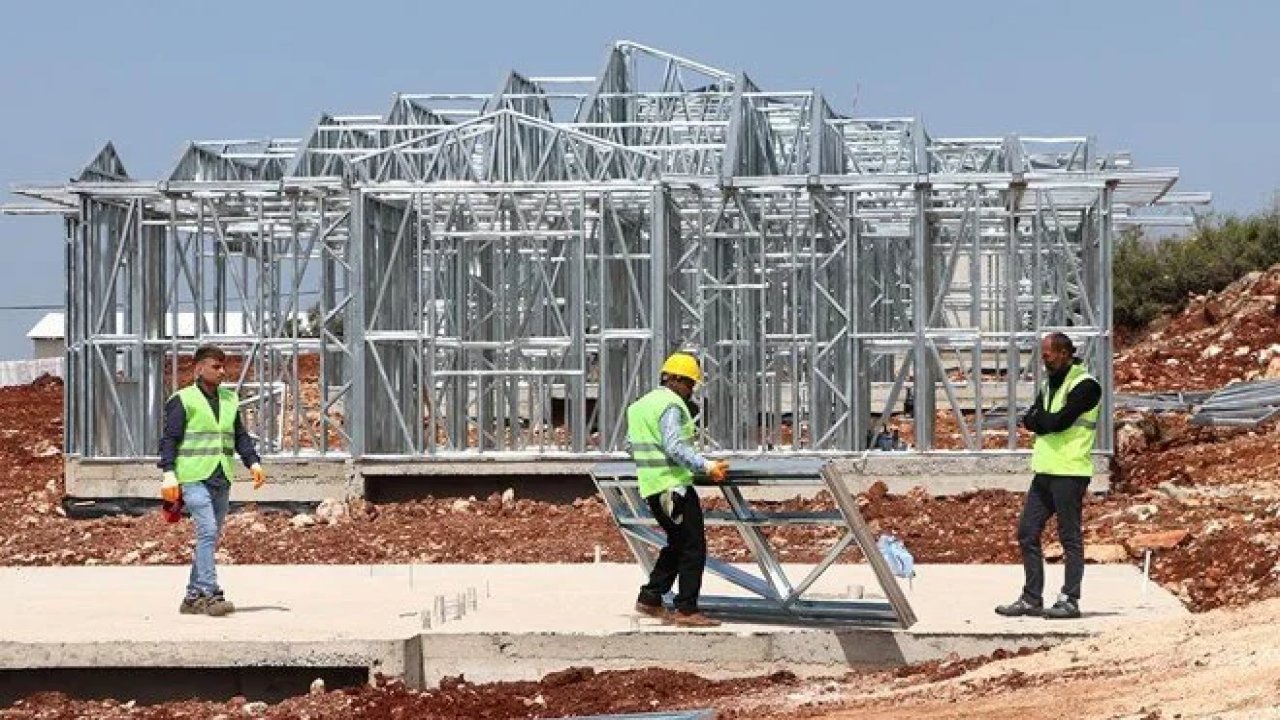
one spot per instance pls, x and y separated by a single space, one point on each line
475 275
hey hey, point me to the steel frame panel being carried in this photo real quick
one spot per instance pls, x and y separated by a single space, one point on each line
498 275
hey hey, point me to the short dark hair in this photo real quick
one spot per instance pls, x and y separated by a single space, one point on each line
205 352
1061 343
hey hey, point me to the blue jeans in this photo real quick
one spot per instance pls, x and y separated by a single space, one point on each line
207 502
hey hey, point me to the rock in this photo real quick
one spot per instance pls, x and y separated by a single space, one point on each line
1130 439
131 558
1107 553
302 520
918 494
1243 350
460 505
1163 540
257 527
508 497
452 682
1173 491
254 708
1212 527
1273 369
877 491
45 449
317 686
568 676
150 545
1144 512
331 511
1053 551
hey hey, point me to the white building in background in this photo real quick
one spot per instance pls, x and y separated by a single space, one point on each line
49 335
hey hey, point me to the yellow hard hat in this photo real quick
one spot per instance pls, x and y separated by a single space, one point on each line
684 365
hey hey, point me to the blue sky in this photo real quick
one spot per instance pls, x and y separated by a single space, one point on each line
1193 85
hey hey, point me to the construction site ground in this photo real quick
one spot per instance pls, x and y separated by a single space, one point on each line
499 623
1207 499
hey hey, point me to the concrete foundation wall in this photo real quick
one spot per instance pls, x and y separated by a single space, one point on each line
515 657
310 480
314 479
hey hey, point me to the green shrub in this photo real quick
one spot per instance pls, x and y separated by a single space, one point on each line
1151 277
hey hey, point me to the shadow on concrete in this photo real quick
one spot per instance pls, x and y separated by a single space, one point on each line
156 685
546 488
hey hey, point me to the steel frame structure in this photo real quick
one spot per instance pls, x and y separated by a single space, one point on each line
498 275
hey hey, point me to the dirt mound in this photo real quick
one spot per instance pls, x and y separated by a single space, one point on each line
1222 664
577 691
1218 339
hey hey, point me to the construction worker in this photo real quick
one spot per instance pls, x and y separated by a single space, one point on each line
202 435
660 432
1064 419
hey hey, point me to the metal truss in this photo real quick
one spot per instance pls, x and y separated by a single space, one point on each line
771 594
499 274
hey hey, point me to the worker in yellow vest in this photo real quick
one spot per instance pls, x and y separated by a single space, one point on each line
1064 419
202 435
660 430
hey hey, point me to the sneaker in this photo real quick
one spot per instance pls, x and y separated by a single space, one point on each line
215 606
691 619
1064 609
1019 608
653 611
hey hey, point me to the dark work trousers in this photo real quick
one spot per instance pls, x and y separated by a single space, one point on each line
1061 495
685 554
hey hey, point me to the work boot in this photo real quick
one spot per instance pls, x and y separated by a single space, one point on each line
694 619
1064 609
1019 608
219 605
653 611
212 605
192 606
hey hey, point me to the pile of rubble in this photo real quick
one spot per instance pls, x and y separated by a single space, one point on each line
1220 338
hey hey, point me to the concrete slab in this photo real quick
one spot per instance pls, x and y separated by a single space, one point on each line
527 620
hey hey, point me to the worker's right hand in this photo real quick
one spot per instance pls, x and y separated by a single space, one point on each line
717 470
169 489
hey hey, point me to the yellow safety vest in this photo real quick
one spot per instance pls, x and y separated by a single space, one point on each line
1067 452
654 470
206 440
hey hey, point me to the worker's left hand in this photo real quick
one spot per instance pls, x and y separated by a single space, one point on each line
259 476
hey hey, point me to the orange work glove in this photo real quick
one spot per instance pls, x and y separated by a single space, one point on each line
169 489
717 470
259 476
